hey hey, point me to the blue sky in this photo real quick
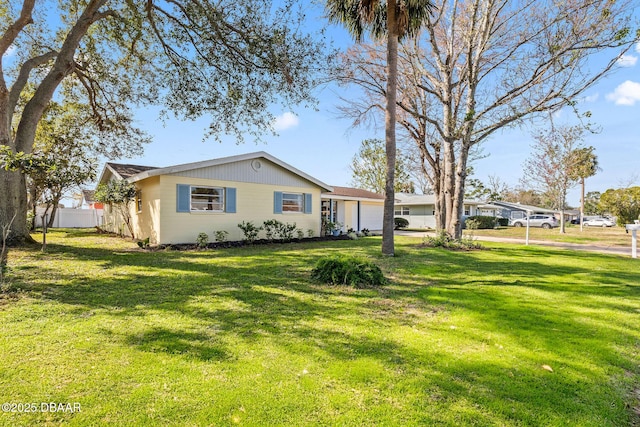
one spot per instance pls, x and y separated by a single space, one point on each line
322 144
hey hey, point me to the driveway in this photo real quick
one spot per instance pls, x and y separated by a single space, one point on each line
617 250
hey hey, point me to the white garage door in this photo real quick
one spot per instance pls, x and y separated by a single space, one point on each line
371 216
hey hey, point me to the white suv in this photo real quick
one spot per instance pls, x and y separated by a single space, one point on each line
544 221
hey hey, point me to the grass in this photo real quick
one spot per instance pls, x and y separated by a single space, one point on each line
243 336
612 236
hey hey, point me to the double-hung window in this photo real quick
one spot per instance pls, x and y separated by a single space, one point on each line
200 198
292 202
401 210
139 201
207 199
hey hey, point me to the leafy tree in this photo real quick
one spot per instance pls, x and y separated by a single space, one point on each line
551 166
119 194
226 59
391 21
624 203
369 164
523 196
592 203
483 66
584 164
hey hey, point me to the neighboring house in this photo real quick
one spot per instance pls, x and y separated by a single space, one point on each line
419 209
353 208
176 203
86 200
514 211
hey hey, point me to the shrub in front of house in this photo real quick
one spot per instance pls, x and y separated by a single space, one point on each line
221 235
271 227
202 240
400 223
348 270
250 231
482 222
285 231
443 240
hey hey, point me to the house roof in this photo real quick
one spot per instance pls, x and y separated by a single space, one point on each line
352 194
123 171
88 196
134 173
424 199
521 207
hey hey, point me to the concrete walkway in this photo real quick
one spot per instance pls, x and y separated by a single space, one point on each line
617 250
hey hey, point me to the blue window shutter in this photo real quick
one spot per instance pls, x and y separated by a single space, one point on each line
230 200
308 203
277 202
184 198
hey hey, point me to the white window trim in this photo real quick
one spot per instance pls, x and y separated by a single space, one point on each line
400 211
206 211
300 195
139 201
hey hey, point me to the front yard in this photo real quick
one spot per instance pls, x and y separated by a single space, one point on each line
611 236
513 335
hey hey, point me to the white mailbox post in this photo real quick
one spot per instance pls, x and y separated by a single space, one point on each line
633 228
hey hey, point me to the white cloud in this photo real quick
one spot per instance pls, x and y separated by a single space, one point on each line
627 60
591 98
628 93
285 121
638 47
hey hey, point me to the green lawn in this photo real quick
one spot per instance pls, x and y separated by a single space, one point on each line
243 336
612 236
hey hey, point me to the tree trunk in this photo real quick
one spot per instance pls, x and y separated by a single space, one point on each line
54 210
449 188
388 247
14 201
457 209
12 184
581 202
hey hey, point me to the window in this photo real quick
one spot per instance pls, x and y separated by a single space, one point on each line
292 202
207 199
139 200
402 210
190 198
467 210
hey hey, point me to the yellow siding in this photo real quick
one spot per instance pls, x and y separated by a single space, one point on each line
146 222
254 202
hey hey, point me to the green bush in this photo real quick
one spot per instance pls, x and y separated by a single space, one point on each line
483 222
400 223
143 244
271 227
285 231
221 235
202 240
444 240
503 222
250 231
348 270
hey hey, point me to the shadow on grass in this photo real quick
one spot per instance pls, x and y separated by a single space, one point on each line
546 301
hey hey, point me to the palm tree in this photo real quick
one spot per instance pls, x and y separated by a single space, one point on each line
393 20
584 163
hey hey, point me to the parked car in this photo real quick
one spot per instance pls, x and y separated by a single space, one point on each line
544 221
598 222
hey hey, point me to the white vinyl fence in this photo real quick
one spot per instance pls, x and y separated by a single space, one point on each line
72 218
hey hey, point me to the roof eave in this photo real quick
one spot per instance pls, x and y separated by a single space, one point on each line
224 160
